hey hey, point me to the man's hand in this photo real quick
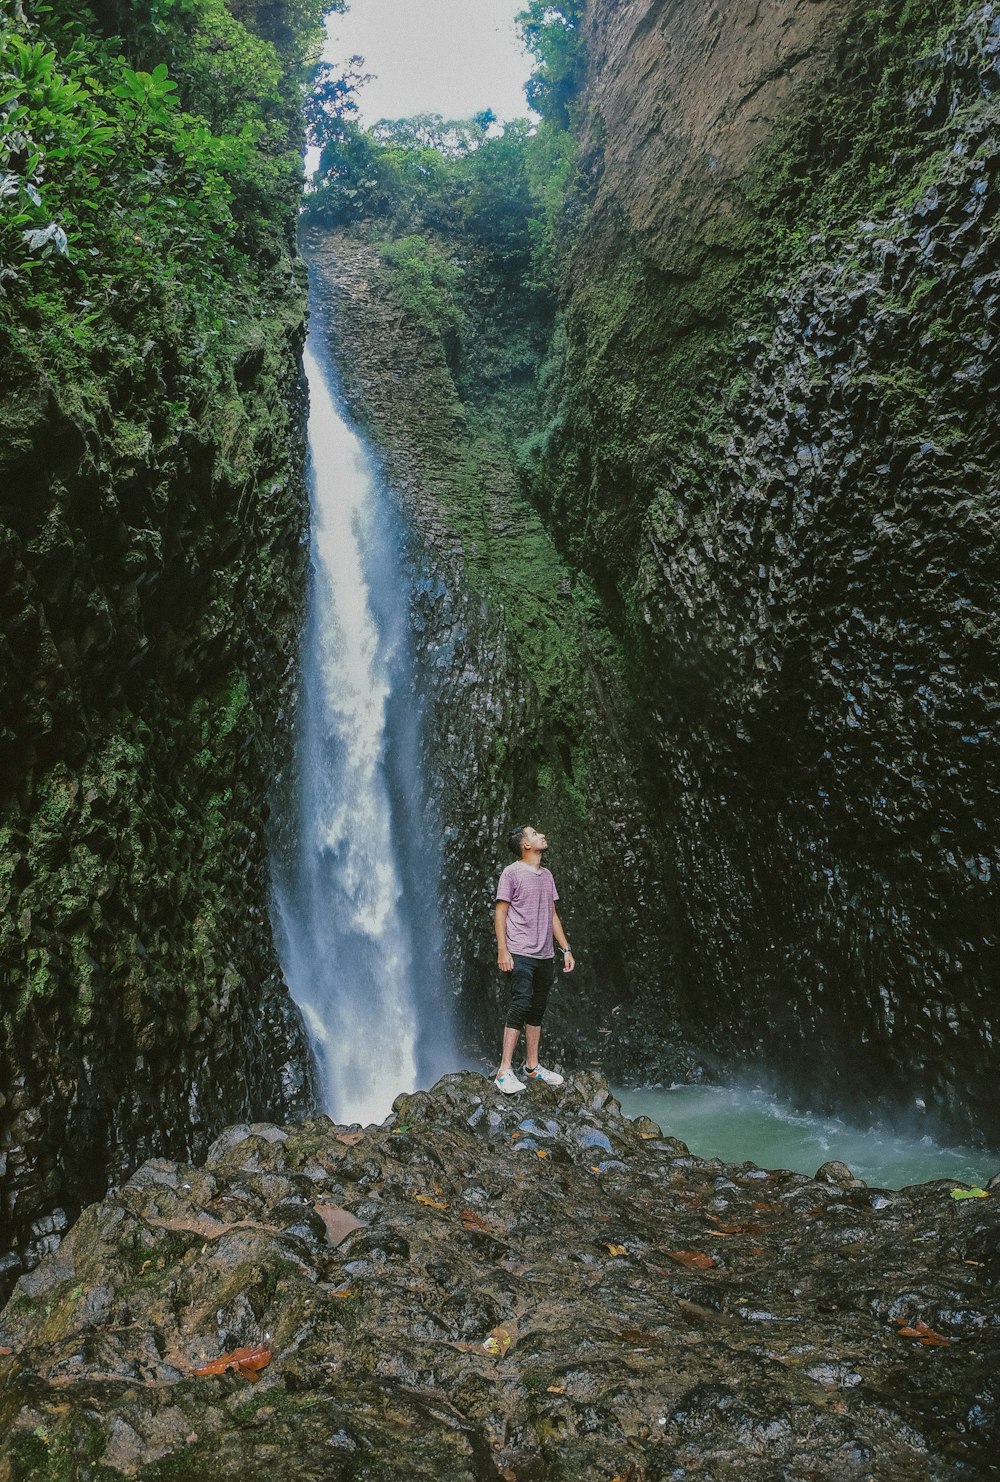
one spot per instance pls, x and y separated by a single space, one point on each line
569 962
504 961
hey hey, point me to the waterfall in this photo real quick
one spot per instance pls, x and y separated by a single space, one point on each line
355 898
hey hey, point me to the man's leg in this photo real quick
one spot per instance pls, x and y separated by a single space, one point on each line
510 1039
519 1001
543 972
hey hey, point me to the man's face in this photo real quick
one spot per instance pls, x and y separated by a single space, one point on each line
532 839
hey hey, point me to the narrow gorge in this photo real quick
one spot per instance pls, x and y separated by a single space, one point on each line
631 471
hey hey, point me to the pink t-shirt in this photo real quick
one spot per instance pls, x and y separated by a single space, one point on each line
530 895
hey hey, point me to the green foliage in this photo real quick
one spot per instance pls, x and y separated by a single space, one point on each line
551 33
424 281
134 192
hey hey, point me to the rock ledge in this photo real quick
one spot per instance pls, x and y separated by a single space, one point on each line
490 1288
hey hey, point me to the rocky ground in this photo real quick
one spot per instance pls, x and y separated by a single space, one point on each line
481 1288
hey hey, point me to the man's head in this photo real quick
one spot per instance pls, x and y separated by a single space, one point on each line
526 840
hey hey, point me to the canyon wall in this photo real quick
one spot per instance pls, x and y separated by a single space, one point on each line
773 439
150 542
709 586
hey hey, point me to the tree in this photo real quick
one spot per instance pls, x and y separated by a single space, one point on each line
551 33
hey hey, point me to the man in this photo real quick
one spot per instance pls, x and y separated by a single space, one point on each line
526 922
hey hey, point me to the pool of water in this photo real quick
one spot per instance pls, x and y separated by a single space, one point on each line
743 1125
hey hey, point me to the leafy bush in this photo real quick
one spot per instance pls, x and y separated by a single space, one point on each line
424 282
135 196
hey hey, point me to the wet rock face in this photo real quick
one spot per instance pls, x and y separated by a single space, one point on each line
824 617
809 475
490 1287
680 95
150 582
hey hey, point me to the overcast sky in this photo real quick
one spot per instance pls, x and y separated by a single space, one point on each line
453 57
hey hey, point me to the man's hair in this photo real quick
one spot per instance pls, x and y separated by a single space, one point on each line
514 839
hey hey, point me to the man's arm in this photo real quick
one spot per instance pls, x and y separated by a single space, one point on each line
569 962
504 960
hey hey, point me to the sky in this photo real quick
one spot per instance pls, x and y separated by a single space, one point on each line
453 57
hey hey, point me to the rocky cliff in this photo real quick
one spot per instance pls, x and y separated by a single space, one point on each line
772 440
150 528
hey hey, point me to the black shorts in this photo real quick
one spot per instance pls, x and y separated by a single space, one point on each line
530 983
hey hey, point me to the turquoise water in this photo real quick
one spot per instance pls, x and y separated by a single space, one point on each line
741 1125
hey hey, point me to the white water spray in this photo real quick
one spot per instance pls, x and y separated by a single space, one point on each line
359 951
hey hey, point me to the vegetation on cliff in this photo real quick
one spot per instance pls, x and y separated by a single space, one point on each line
151 312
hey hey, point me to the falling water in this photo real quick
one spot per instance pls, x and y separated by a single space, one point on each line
354 924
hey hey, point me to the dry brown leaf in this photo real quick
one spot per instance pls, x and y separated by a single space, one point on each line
541 1152
339 1223
616 1250
924 1334
474 1222
426 1199
753 1228
245 1361
556 1389
5 1351
350 1138
638 1338
693 1258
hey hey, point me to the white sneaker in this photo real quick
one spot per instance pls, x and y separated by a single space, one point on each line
550 1077
508 1083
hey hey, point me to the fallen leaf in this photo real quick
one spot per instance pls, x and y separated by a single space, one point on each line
694 1258
753 1228
430 1203
541 1153
638 1338
556 1389
403 1127
616 1250
969 1194
700 1314
339 1223
345 1293
5 1351
924 1334
205 1227
474 1222
350 1138
245 1361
